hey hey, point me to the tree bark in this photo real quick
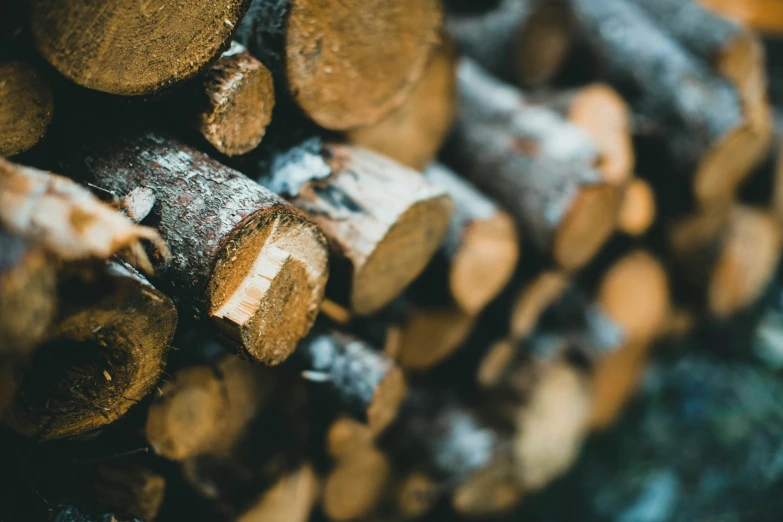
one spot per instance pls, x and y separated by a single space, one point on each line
234 102
240 255
538 166
345 64
132 50
104 354
27 106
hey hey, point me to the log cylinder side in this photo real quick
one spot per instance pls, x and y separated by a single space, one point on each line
132 49
26 109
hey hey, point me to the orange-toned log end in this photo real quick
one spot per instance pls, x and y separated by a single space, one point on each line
187 418
351 62
485 262
542 44
637 209
742 61
765 16
386 400
614 380
268 283
747 262
356 485
346 436
492 490
129 488
240 96
416 495
26 109
534 300
430 335
588 224
603 114
105 354
414 133
495 362
728 162
635 295
131 49
290 499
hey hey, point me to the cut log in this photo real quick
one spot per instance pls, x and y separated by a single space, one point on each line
524 41
206 409
491 491
66 219
727 258
723 44
364 382
637 210
414 132
345 64
416 494
235 101
384 221
346 436
765 16
132 50
26 109
708 134
534 299
604 116
240 255
27 295
129 489
614 380
541 168
105 353
481 249
356 485
290 499
429 335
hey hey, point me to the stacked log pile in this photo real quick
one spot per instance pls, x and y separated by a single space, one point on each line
362 260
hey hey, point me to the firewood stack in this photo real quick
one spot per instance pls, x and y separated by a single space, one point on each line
371 260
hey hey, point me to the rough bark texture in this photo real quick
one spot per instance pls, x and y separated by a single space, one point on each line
236 98
541 168
364 382
27 295
66 219
523 41
384 221
104 354
709 137
414 133
481 248
345 64
26 109
132 50
240 255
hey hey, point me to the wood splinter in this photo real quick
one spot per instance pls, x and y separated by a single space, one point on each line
27 106
240 255
365 383
104 354
541 168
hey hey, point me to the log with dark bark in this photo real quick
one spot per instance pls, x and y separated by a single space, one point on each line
345 64
105 352
240 255
364 382
481 249
234 102
717 262
27 295
132 50
603 114
709 133
384 221
26 108
541 168
414 132
522 41
206 408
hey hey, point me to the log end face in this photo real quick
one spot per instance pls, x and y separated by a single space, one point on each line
614 380
588 224
386 400
401 254
637 209
355 486
350 63
27 107
268 283
485 262
542 44
432 334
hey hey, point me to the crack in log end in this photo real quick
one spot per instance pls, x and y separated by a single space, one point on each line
268 284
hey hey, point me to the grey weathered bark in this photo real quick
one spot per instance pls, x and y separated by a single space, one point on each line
240 255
